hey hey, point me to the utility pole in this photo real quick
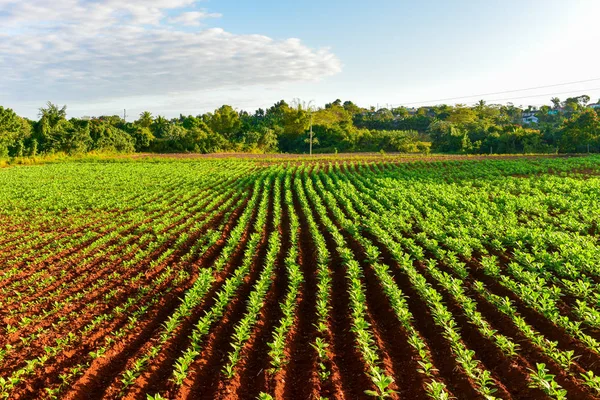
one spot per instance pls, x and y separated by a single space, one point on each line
311 133
309 108
124 115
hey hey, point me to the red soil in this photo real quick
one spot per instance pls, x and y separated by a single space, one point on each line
101 377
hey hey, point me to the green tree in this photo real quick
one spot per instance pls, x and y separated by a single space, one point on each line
263 140
55 133
462 115
108 138
49 126
14 130
509 114
142 137
201 141
448 137
145 120
160 127
352 108
52 115
295 125
580 131
225 121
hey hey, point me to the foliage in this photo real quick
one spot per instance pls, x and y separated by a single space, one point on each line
566 126
248 263
14 130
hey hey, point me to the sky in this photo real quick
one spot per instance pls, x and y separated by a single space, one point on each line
100 57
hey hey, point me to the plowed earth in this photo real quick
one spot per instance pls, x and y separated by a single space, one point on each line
106 278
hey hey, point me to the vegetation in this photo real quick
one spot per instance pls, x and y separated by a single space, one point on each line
566 127
285 278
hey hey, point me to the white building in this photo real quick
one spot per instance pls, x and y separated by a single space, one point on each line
529 118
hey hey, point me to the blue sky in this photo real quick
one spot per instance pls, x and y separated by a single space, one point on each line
100 56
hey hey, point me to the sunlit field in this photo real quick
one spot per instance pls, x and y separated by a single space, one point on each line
301 278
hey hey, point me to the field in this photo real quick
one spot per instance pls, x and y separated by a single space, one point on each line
297 278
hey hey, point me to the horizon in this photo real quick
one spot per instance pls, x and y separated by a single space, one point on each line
378 107
190 57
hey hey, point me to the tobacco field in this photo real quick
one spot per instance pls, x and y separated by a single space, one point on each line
301 278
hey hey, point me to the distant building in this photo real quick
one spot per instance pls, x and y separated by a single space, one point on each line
530 118
594 106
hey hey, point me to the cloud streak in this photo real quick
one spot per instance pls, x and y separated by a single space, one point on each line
193 18
100 49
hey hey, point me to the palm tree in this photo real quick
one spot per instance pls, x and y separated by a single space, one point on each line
145 119
160 126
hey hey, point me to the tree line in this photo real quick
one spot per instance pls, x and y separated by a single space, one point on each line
565 126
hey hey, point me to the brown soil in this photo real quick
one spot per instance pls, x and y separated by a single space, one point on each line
252 375
527 350
457 381
298 380
346 356
84 348
206 373
398 361
510 371
98 378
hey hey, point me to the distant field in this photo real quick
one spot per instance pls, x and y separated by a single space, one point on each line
295 278
391 157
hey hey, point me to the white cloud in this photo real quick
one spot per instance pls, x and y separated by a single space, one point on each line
192 18
104 49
